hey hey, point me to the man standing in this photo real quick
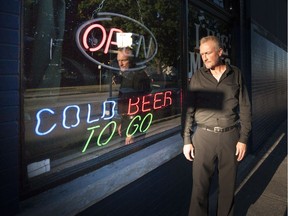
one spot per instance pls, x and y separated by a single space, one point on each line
132 84
217 127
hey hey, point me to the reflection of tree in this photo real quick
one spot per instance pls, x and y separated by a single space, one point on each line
50 28
161 17
206 25
44 40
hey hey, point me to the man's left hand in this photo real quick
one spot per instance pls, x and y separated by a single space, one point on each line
240 150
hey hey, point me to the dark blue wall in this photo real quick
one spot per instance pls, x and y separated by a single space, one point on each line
9 105
272 15
269 85
268 56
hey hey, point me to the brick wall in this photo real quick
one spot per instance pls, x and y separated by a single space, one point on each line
9 105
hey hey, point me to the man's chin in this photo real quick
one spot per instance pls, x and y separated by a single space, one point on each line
208 66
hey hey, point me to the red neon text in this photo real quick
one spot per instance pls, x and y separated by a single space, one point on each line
145 103
104 36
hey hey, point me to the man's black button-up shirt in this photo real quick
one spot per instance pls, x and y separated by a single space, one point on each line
218 104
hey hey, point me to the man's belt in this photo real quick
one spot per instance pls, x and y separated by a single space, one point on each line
216 129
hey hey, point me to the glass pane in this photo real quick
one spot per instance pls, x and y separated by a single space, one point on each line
76 96
220 3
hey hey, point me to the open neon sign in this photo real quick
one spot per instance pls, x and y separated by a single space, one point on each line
104 39
136 105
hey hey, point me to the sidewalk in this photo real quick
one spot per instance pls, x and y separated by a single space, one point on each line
265 191
261 187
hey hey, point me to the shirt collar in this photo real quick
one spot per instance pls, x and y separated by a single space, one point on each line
228 68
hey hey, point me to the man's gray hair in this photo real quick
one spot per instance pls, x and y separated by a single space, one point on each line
212 38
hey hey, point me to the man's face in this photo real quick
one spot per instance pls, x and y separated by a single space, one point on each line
210 54
123 60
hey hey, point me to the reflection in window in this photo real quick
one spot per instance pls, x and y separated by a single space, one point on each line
219 3
81 104
206 24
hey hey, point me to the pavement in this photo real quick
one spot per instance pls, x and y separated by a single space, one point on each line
264 190
261 187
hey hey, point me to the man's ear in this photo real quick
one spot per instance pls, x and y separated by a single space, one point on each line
220 51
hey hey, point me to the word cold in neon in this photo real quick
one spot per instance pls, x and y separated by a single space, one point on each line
43 115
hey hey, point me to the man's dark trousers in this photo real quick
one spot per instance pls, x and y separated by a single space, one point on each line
209 147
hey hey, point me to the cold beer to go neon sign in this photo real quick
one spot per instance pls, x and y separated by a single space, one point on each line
94 37
71 117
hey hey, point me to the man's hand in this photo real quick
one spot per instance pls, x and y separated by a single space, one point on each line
188 151
240 150
129 139
119 130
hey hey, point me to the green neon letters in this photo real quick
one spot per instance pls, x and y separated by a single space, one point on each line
148 117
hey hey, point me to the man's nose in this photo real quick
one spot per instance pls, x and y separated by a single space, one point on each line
204 57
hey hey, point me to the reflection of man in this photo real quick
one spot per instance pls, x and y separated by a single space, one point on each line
132 85
222 128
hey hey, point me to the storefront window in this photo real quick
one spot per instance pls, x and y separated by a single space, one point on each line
76 96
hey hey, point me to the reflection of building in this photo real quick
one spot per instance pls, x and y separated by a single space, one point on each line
71 91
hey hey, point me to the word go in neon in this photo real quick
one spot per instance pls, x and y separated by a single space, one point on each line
131 130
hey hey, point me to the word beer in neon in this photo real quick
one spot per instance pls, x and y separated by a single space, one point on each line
144 104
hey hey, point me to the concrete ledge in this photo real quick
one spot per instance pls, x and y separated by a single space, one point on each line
75 196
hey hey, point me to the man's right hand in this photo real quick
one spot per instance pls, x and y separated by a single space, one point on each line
188 151
119 130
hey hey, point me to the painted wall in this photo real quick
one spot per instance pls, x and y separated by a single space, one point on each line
269 85
272 15
267 34
9 105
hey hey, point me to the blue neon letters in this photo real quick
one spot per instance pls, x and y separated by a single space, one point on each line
65 123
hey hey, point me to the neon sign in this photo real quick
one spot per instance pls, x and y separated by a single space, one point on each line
143 104
47 111
130 130
70 117
103 40
38 117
